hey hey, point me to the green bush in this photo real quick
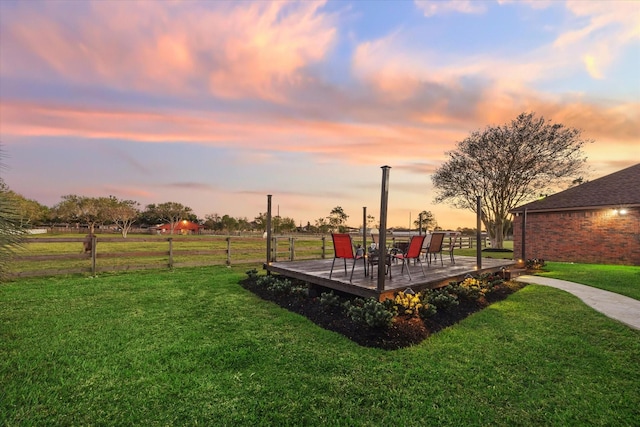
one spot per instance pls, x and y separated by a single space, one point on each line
329 299
252 274
369 312
427 310
470 288
535 264
442 298
276 284
474 288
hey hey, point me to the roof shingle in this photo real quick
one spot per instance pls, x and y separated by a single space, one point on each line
618 189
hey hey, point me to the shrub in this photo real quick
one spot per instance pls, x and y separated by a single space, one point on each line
442 298
252 274
427 310
369 312
275 284
535 264
492 280
470 288
329 299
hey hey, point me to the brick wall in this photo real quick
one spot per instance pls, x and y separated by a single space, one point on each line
593 236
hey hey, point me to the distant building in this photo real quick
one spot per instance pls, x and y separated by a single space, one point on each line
596 222
182 227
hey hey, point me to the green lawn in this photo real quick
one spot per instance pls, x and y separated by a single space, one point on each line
192 347
621 279
487 254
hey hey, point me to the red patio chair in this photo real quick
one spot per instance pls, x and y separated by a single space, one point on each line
343 248
413 252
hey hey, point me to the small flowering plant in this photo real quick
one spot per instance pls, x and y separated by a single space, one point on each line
535 264
408 303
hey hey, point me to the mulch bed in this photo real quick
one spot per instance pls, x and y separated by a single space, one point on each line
403 332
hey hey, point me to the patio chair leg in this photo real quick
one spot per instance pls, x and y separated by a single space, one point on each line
422 267
404 262
331 272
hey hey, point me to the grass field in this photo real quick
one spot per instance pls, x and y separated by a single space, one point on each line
191 346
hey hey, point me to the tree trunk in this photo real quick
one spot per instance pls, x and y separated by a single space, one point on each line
498 231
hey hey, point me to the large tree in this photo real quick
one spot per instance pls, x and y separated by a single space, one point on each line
426 220
30 212
123 213
90 211
170 212
508 165
337 218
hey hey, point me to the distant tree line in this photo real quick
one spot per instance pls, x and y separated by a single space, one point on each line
124 214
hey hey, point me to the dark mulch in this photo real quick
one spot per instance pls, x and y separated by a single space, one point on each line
403 332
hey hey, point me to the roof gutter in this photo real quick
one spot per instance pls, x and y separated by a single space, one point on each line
577 208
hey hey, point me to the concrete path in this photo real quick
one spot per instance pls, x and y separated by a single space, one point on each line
615 306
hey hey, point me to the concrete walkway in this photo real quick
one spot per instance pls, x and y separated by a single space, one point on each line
615 306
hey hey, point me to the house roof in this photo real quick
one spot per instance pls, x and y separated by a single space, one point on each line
619 189
181 225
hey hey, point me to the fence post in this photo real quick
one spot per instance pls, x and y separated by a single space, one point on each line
170 239
94 241
228 251
274 249
324 247
291 249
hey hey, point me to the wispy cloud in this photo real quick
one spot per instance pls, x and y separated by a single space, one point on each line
435 7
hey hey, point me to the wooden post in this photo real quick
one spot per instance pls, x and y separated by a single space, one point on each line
384 200
364 238
524 235
94 242
478 234
228 251
268 230
170 239
274 250
291 249
324 247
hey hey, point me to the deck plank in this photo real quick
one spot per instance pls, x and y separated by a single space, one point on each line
316 272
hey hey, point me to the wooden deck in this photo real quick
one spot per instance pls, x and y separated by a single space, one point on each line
316 273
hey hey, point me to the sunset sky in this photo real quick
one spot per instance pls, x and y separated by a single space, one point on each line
216 104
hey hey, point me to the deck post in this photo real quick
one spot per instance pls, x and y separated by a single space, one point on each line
268 230
364 237
478 234
384 198
524 238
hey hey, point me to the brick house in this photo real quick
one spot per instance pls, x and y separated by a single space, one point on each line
596 222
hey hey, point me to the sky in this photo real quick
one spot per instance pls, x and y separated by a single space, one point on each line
216 104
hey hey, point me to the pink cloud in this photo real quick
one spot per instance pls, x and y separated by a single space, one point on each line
228 49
